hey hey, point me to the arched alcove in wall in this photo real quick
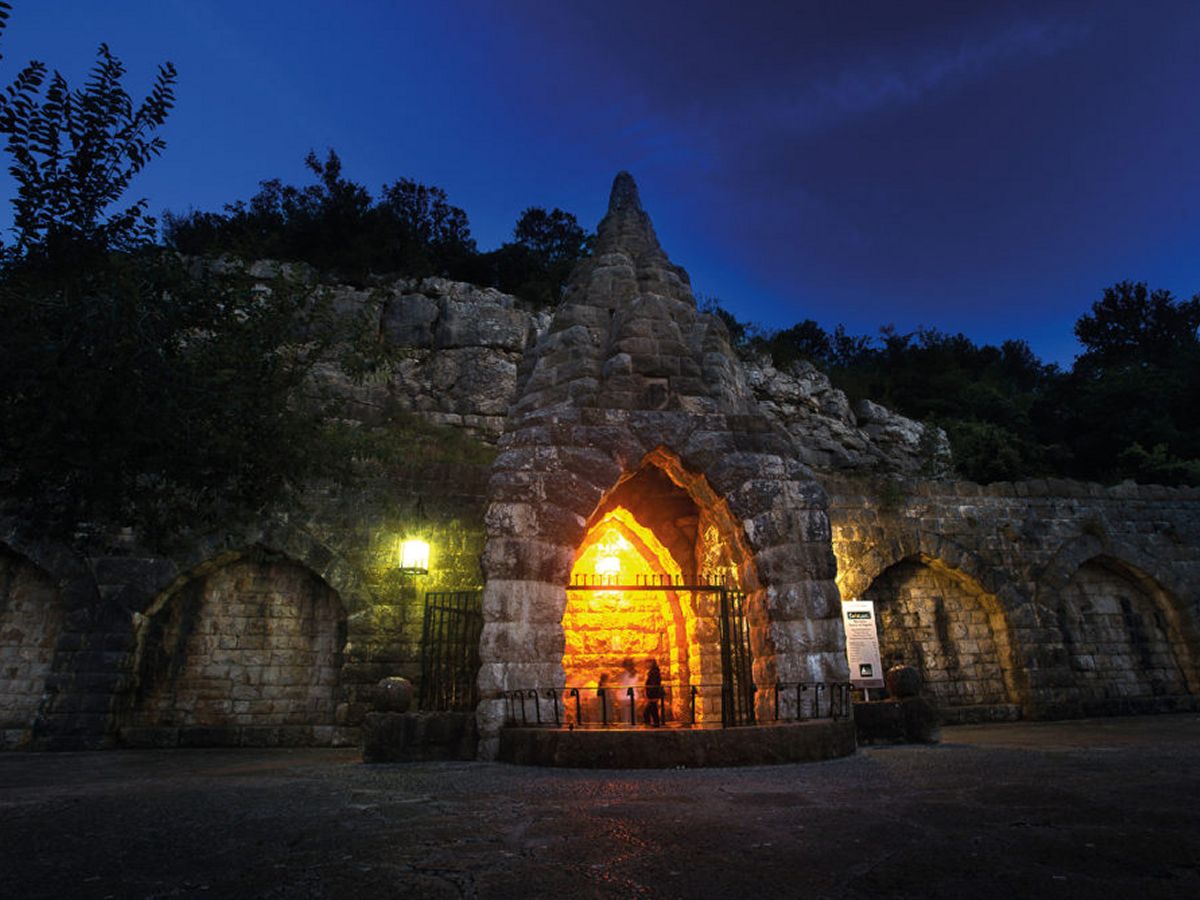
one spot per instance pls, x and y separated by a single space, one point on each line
249 651
1122 634
659 523
31 620
945 624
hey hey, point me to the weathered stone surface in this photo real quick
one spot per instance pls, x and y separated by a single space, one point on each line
672 748
652 387
831 437
1045 598
1012 600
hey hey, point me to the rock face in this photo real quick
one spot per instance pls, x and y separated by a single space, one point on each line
461 346
831 437
462 366
630 378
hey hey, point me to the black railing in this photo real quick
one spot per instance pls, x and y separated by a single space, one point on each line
692 706
650 582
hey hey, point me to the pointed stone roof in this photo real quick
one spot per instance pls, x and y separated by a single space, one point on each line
628 334
626 229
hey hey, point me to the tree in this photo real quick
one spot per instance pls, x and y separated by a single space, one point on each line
139 389
553 237
1136 386
336 226
803 341
1132 325
536 264
74 154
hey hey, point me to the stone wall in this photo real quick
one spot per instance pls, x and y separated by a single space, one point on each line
831 436
1041 598
460 348
940 624
248 655
110 585
1090 593
31 621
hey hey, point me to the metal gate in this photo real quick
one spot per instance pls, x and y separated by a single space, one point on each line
737 682
450 650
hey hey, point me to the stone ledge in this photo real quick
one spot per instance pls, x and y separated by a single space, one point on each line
418 736
163 736
970 715
912 720
668 748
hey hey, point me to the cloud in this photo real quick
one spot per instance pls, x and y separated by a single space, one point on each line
874 86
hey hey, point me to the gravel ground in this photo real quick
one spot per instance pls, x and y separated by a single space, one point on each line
1099 808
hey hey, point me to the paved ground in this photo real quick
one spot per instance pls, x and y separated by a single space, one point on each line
1103 808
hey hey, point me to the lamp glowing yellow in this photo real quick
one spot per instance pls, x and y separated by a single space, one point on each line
609 567
414 557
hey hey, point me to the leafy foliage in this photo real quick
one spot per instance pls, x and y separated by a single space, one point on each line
411 230
536 264
140 390
74 154
337 226
1010 416
1136 386
158 395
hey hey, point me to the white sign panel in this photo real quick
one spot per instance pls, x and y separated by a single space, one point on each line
862 643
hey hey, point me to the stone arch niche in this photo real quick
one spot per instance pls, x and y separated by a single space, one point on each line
631 394
31 619
944 623
1123 636
247 652
658 524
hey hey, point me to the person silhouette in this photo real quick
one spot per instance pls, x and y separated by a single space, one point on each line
654 695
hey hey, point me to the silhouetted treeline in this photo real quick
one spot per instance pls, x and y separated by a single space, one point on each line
410 229
1127 407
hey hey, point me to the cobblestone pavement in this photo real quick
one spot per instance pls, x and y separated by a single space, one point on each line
1070 809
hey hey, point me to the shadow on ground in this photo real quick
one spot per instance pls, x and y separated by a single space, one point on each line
1068 809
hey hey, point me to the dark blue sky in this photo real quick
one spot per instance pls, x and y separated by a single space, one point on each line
982 167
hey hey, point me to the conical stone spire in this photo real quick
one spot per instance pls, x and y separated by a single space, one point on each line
630 374
624 194
628 334
626 228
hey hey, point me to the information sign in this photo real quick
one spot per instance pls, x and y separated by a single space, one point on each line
862 643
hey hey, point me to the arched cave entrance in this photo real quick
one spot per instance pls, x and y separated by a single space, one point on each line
947 626
31 620
248 653
650 533
1121 634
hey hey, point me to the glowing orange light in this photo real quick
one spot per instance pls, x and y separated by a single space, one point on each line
610 550
611 633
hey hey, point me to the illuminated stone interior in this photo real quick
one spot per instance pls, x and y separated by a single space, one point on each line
611 635
649 530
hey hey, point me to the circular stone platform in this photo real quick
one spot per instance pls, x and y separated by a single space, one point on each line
668 748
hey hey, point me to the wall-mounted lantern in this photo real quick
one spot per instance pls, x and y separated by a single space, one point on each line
414 557
414 551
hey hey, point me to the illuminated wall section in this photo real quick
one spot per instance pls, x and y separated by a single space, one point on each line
615 633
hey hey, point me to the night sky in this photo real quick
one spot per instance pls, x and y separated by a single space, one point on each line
980 167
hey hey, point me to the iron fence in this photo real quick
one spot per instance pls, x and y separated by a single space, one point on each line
450 650
690 705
